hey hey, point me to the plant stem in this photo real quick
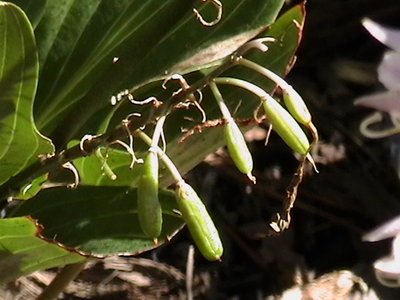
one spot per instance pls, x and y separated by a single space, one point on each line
220 101
229 62
267 73
286 88
161 154
158 131
189 272
13 185
61 281
252 88
39 168
104 165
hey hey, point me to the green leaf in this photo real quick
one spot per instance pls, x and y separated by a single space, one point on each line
187 154
90 50
31 189
21 143
242 20
287 31
23 249
98 220
76 57
117 45
91 168
34 9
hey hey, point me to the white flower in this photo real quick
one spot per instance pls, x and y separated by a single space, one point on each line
387 269
389 75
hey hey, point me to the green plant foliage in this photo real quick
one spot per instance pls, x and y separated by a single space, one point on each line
192 151
78 63
278 59
21 143
98 221
87 52
23 250
34 9
32 188
91 169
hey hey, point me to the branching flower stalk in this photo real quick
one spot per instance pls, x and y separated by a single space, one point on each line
282 122
293 101
47 164
194 212
190 99
290 131
162 155
228 63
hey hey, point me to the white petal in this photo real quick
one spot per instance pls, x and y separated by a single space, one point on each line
390 228
386 101
387 271
388 265
389 70
386 35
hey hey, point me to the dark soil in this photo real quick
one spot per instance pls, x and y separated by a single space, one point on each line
357 188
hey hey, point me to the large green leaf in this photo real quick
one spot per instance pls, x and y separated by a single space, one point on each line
79 76
98 220
34 9
23 249
149 38
287 30
92 169
21 143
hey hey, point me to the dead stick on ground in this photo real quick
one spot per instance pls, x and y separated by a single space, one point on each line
61 281
189 272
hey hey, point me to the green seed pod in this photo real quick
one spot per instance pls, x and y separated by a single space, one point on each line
149 208
296 106
286 126
237 148
199 222
298 109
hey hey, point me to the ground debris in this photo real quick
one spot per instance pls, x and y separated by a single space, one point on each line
337 285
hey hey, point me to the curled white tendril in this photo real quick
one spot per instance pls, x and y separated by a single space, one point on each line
218 6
